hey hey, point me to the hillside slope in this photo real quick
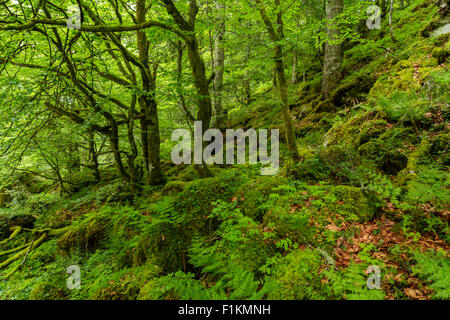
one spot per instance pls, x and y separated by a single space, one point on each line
372 189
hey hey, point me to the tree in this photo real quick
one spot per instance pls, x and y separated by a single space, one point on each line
391 28
219 65
276 36
333 48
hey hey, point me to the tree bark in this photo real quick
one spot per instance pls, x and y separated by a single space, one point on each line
198 70
219 64
391 28
294 79
275 37
333 51
94 156
149 123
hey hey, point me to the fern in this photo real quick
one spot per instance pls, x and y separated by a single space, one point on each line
435 268
231 258
351 284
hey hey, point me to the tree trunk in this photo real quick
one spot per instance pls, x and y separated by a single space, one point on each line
294 79
94 157
333 51
198 69
276 37
219 64
149 123
383 5
114 143
391 28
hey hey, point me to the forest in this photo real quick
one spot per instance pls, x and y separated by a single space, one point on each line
224 150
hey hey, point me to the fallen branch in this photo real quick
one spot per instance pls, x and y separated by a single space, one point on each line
14 270
22 253
8 252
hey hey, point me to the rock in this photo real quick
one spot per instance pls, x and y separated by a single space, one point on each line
173 187
20 220
386 158
4 199
23 220
354 204
5 225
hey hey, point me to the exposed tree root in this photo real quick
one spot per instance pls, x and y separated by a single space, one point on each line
8 252
23 251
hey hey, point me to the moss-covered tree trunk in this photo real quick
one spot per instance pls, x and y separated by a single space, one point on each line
219 64
333 49
276 37
198 68
149 123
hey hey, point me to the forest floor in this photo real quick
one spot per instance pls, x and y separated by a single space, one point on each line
364 215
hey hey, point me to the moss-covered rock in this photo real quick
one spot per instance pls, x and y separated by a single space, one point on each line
253 194
46 290
298 276
353 89
355 130
195 202
173 187
371 129
186 174
335 154
4 199
386 158
86 235
19 220
353 203
163 244
409 174
124 285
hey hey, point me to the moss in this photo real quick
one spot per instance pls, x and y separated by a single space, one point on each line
125 285
46 290
386 158
173 187
195 203
352 88
309 123
163 244
325 106
298 276
335 154
86 235
432 25
4 199
187 174
440 144
253 194
409 174
371 129
350 132
353 203
441 54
